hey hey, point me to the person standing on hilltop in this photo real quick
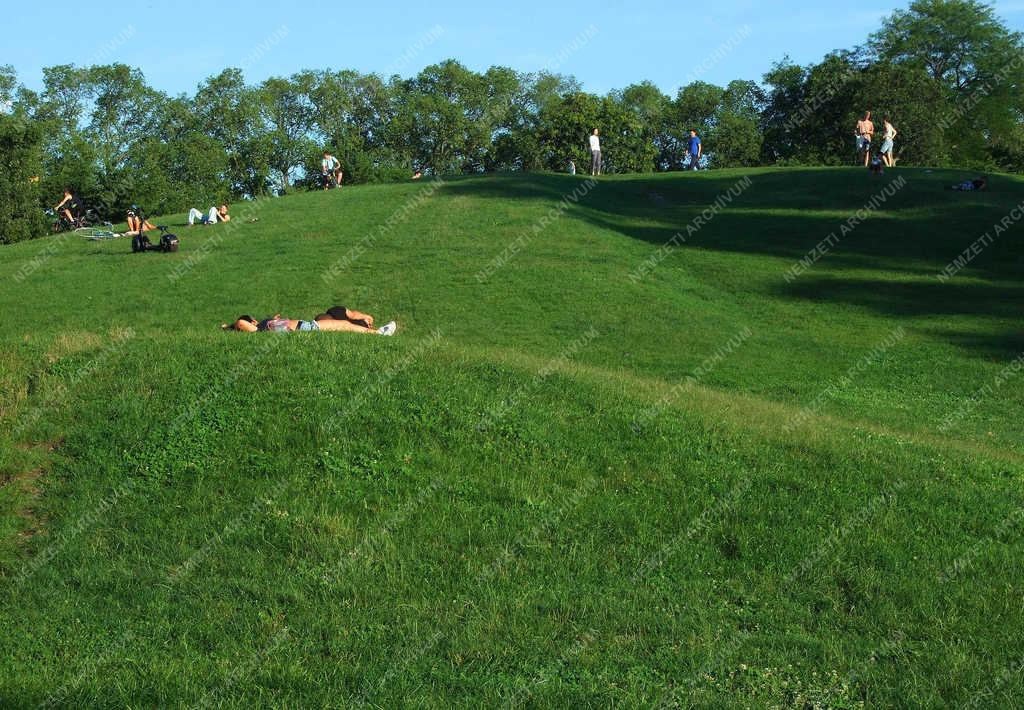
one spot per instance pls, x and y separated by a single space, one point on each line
888 138
865 131
595 152
695 149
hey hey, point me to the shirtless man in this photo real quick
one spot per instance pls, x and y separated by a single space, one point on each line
865 131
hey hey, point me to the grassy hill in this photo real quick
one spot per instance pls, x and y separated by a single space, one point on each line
778 463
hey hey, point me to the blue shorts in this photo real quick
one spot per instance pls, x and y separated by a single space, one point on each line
887 146
307 326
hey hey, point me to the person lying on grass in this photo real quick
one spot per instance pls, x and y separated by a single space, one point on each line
971 185
216 214
337 319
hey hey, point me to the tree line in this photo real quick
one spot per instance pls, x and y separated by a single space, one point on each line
948 73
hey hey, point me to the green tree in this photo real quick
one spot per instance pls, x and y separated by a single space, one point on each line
963 47
627 141
20 164
8 87
287 112
229 111
518 143
451 128
912 100
563 130
735 141
960 43
647 104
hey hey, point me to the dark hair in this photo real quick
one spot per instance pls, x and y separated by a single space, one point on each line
694 130
247 319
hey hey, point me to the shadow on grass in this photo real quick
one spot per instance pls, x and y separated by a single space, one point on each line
1002 347
911 298
785 214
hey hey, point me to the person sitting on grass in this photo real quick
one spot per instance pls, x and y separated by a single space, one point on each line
137 224
331 170
216 214
337 319
876 167
977 184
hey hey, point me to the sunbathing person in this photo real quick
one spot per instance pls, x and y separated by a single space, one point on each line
137 224
337 319
216 214
971 185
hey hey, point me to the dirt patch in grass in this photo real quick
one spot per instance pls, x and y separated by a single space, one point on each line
26 489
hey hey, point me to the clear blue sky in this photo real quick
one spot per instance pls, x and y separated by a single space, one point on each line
606 44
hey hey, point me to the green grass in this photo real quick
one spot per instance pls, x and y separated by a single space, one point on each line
519 500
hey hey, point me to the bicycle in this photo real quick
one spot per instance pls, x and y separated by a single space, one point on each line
61 223
101 233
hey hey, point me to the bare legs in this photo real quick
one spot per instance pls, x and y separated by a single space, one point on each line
343 326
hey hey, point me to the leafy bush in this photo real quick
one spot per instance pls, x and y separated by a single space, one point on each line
20 167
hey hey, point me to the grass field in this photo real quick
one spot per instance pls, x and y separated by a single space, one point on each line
588 470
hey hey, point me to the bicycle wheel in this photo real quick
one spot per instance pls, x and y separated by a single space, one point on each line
98 233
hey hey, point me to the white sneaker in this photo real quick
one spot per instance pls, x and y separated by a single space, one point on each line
388 328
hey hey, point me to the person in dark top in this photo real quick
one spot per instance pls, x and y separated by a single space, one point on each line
72 206
971 185
695 149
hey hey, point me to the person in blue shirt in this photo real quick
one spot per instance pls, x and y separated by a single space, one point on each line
694 149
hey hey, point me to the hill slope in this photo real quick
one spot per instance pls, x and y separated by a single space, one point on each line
777 462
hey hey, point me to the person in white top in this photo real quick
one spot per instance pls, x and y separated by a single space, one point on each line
595 151
216 214
887 143
331 170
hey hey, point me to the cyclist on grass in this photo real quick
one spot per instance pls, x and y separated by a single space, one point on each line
331 169
72 206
